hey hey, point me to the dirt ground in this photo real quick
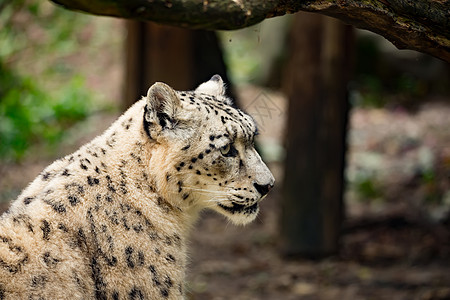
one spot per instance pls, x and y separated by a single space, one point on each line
378 262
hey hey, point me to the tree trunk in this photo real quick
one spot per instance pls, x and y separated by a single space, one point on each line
422 25
156 53
318 72
182 58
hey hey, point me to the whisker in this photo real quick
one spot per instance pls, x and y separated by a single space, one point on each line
204 190
215 200
210 192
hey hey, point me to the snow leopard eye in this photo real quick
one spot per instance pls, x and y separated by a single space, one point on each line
228 150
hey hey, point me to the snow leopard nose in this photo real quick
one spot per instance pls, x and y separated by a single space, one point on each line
263 189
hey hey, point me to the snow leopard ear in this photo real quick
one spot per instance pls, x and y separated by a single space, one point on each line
161 107
214 87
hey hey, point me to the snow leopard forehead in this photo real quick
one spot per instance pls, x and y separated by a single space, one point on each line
232 120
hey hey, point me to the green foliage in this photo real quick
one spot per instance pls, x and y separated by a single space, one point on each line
37 25
366 189
432 193
28 116
41 94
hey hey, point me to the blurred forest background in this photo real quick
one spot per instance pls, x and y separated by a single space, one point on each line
62 81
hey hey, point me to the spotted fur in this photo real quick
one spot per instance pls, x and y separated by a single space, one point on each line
111 220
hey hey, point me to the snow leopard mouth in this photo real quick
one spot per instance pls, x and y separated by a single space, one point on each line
240 208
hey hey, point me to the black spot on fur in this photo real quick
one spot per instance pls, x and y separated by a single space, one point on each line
97 277
153 236
185 147
49 260
38 281
73 200
136 157
65 172
194 159
81 238
200 156
163 286
56 206
109 184
123 187
115 295
170 258
164 293
62 227
128 255
168 281
45 227
74 188
138 228
91 181
46 175
135 294
141 258
28 200
111 140
153 271
125 224
20 259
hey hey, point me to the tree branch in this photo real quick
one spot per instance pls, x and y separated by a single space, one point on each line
422 25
